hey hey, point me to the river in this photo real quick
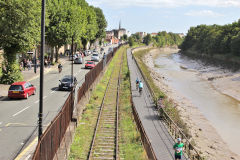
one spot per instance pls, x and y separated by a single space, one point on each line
222 111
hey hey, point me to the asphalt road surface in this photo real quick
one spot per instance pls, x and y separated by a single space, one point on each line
18 118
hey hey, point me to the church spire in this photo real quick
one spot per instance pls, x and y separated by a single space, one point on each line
119 24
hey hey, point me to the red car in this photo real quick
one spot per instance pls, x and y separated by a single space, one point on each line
21 90
90 64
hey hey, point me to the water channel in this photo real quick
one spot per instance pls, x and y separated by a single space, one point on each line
222 111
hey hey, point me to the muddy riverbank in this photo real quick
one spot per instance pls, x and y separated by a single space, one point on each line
173 77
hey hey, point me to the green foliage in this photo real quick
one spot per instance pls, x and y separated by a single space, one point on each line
20 32
213 39
11 70
163 39
101 22
57 31
124 37
131 41
147 39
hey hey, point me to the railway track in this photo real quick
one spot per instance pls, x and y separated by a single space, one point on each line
104 145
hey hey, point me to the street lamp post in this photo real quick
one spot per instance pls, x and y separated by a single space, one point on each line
40 114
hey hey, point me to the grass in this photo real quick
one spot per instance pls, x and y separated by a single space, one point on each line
84 132
130 141
135 45
170 109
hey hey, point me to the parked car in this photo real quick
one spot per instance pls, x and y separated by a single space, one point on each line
67 83
95 57
78 60
110 49
87 52
90 64
21 90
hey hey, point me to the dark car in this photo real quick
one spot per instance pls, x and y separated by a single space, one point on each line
21 90
67 83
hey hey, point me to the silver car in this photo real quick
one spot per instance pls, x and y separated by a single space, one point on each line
78 60
95 57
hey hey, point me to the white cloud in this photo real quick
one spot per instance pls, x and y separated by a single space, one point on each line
204 13
166 3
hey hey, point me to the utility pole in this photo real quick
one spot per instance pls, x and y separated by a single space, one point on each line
72 79
40 114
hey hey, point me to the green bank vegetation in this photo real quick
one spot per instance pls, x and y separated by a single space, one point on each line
217 44
130 141
169 107
160 40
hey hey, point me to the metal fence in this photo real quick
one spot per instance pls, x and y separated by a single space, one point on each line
174 130
51 139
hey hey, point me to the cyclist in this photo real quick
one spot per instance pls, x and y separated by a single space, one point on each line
137 83
140 86
60 68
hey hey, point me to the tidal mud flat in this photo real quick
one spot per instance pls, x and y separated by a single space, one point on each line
204 133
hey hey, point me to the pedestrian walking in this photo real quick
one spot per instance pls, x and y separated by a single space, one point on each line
178 147
24 64
48 62
21 65
28 64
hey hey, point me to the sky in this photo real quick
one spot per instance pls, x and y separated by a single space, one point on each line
167 15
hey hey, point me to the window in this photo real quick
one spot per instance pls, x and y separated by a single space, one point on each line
16 88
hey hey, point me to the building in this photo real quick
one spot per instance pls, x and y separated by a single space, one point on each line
141 34
112 40
181 35
154 34
109 33
117 33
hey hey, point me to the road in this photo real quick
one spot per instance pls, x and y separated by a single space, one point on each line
18 118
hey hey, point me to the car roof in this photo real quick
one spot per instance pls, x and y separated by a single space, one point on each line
68 76
19 83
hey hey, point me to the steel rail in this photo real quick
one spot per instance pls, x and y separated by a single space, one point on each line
90 155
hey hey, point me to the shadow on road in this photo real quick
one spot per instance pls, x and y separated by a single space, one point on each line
152 117
5 98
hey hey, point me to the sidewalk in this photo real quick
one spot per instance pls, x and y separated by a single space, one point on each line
29 75
161 141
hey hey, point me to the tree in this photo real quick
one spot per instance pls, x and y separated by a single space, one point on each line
57 32
92 27
20 32
131 41
101 23
124 37
147 39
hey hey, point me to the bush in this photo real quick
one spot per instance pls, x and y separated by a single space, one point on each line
10 73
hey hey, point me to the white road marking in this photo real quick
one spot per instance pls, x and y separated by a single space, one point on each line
36 101
20 111
28 157
52 91
44 97
0 123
